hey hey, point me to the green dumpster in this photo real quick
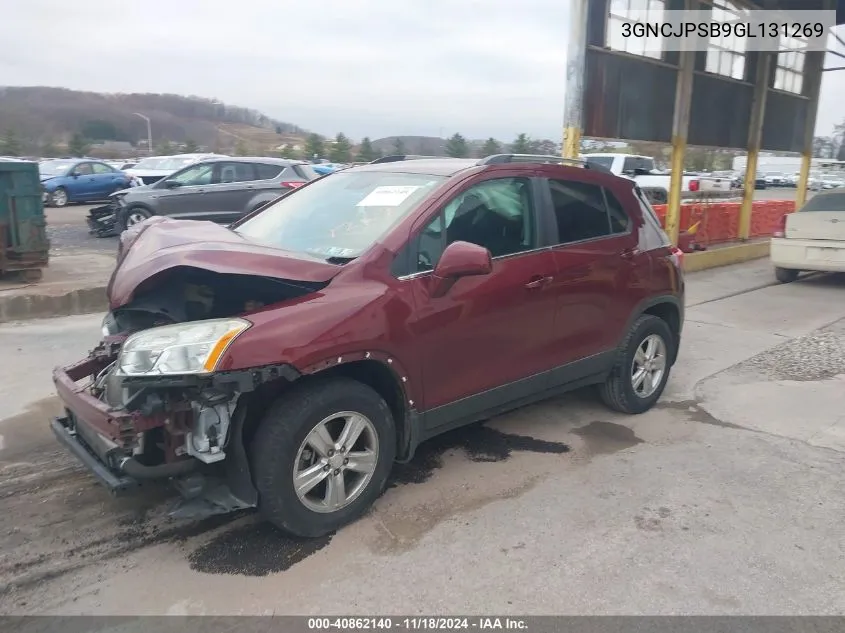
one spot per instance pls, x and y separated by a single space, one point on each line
23 239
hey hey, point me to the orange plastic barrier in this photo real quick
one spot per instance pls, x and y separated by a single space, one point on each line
719 221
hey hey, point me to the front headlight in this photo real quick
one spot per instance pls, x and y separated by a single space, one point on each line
186 348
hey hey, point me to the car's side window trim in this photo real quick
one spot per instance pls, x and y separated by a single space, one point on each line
604 191
538 211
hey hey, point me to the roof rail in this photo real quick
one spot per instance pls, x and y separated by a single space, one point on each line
500 159
395 158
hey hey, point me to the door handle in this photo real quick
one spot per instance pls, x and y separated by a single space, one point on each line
538 282
628 253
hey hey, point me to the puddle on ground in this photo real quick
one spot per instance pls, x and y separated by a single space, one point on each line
261 549
253 550
479 442
601 438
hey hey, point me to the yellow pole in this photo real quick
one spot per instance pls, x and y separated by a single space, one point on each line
676 179
748 194
576 52
803 180
571 142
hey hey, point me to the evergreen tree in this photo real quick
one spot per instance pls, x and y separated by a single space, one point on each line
457 147
398 147
491 146
191 146
521 145
366 152
314 147
78 145
341 151
9 144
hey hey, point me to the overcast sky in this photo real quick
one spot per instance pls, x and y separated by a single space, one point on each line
363 67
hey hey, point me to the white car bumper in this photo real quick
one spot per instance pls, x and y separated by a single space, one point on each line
821 255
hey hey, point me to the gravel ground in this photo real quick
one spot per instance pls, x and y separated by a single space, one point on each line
70 238
817 356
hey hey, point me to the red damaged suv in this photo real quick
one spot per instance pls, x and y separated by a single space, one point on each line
285 362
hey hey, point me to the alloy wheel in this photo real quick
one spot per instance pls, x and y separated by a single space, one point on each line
335 462
648 366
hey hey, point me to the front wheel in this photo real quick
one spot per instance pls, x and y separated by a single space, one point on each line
785 275
58 198
642 367
133 216
322 455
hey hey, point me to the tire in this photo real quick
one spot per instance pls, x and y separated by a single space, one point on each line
280 446
786 275
58 198
132 216
618 392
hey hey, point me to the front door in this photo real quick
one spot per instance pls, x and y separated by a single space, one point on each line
81 185
484 343
187 198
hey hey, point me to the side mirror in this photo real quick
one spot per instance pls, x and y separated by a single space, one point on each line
74 175
172 184
460 259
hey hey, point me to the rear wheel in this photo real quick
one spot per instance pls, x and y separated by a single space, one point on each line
642 367
786 275
321 456
134 215
58 198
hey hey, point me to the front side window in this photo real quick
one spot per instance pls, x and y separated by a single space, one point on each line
194 175
340 216
83 169
585 211
496 214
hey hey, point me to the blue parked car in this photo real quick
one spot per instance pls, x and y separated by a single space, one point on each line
79 180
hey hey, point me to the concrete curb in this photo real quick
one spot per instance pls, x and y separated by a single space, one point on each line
20 307
725 256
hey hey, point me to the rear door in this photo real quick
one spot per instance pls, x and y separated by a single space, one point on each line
233 187
822 218
599 268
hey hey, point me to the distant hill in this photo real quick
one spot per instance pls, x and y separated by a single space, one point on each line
42 117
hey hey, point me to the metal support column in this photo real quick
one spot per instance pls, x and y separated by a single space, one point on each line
755 135
575 63
814 61
680 125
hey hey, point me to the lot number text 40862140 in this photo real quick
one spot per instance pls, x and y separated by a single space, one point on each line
419 623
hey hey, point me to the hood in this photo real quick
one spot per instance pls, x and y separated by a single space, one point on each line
160 244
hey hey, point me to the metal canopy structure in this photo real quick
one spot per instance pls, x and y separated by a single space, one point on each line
719 98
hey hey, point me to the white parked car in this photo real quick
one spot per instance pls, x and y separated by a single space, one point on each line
154 168
812 238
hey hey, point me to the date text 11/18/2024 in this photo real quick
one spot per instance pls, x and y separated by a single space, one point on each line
417 623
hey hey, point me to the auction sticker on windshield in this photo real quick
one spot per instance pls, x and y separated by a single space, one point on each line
388 196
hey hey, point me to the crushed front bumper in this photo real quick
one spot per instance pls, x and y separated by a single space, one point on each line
66 431
102 221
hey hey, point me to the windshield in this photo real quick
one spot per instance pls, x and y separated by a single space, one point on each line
601 161
149 163
340 215
55 167
826 202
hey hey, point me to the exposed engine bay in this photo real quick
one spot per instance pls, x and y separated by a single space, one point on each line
164 425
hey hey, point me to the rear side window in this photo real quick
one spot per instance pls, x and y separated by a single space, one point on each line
584 211
265 171
834 201
102 168
306 172
236 172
